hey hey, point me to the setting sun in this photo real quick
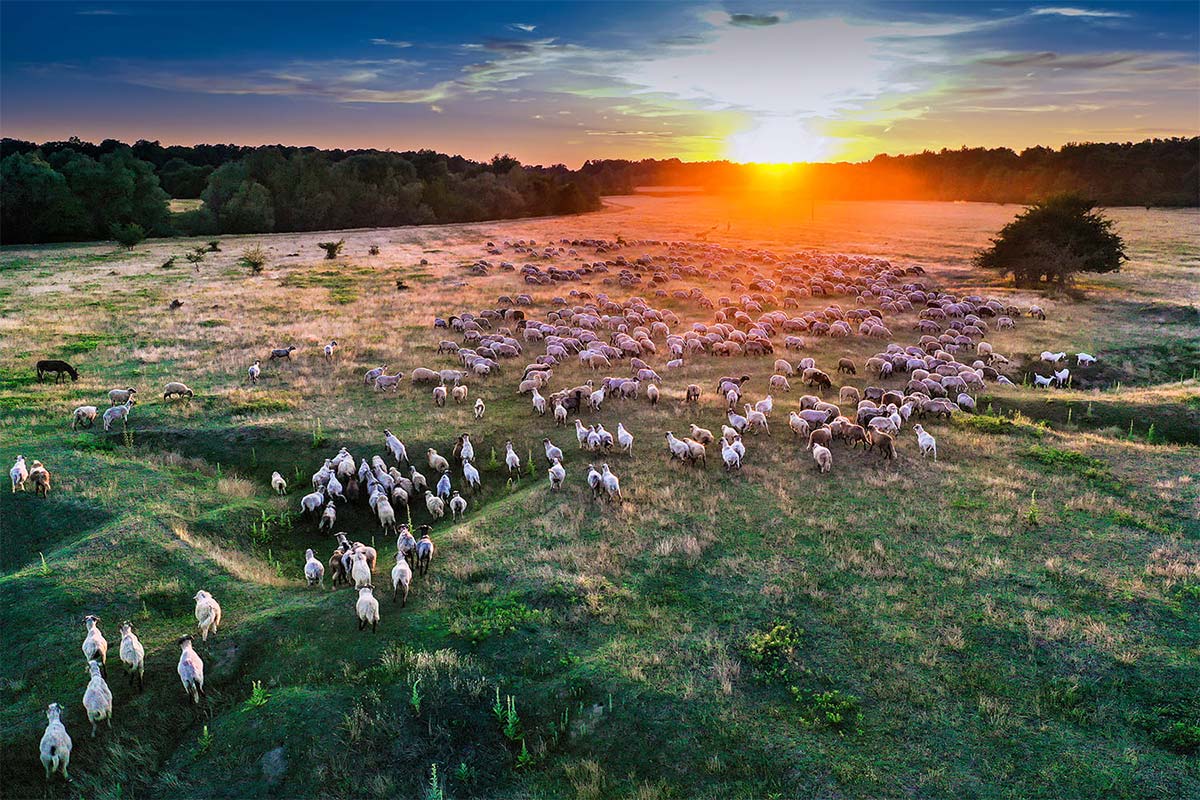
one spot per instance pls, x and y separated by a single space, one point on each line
777 141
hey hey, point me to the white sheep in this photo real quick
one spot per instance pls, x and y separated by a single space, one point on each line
395 446
539 402
479 408
443 486
311 503
926 442
823 457
1084 359
557 474
118 397
1052 358
730 456
18 474
190 669
314 570
254 371
115 413
360 570
553 453
467 451
385 514
372 374
612 485
97 698
367 608
471 476
328 518
95 646
511 459
1062 377
208 613
437 462
385 382
83 416
435 506
459 393
756 420
425 551
766 405
55 747
439 396
1042 380
177 389
560 414
133 655
595 481
458 505
624 439
401 576
278 483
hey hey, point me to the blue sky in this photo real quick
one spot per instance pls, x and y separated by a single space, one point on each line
568 81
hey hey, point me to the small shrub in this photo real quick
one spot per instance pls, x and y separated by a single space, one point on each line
254 258
194 257
834 709
771 652
318 435
1054 457
332 249
512 721
465 773
374 250
128 236
204 742
258 697
492 616
214 247
415 697
1033 514
434 791
168 264
1182 737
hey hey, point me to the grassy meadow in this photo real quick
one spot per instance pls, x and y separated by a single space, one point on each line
1020 619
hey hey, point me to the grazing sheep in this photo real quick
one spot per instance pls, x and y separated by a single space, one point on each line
97 698
557 474
823 456
190 669
95 646
133 655
401 576
208 614
693 394
314 570
798 425
437 463
425 551
329 348
458 506
439 396
115 413
821 436
1052 358
1037 312
177 389
1084 359
755 421
385 382
283 352
41 479
848 394
18 474
479 408
118 397
1042 380
366 608
780 382
652 394
55 747
83 416
926 442
460 394
846 365
254 371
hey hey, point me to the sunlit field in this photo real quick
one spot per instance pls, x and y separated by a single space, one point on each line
1019 619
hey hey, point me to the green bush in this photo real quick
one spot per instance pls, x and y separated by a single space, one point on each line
771 652
834 710
128 236
254 258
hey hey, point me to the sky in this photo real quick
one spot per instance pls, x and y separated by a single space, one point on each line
565 82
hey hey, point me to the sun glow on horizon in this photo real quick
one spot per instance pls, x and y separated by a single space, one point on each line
777 141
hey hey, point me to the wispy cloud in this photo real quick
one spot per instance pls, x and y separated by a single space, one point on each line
754 20
1068 11
101 12
391 43
521 26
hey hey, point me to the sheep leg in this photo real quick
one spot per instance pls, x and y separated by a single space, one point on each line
374 623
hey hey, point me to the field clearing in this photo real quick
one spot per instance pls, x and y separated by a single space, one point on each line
998 642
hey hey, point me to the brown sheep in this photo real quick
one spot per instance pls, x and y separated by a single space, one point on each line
693 394
41 479
822 436
885 443
846 365
853 434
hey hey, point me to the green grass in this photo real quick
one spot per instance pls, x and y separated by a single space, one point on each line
883 631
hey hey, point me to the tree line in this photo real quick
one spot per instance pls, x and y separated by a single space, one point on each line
1155 172
78 191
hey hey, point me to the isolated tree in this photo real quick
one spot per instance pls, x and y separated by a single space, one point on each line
1050 241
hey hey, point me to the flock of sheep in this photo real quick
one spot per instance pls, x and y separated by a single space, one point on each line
944 368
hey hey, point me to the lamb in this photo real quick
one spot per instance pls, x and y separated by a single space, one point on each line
553 453
208 614
366 608
560 414
329 348
118 397
190 669
612 485
83 416
624 439
460 394
115 413
401 576
1061 377
425 551
1042 380
133 655
471 476
926 442
385 382
458 505
737 421
731 456
439 396
676 447
652 394
823 457
435 506
595 481
55 747
756 420
479 408
372 374
95 646
311 503
511 459
443 486
328 518
556 474
798 425
539 402
254 371
18 474
97 698
314 570
177 389
437 463
1084 359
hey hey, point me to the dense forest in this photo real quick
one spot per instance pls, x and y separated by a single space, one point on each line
1156 172
74 191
